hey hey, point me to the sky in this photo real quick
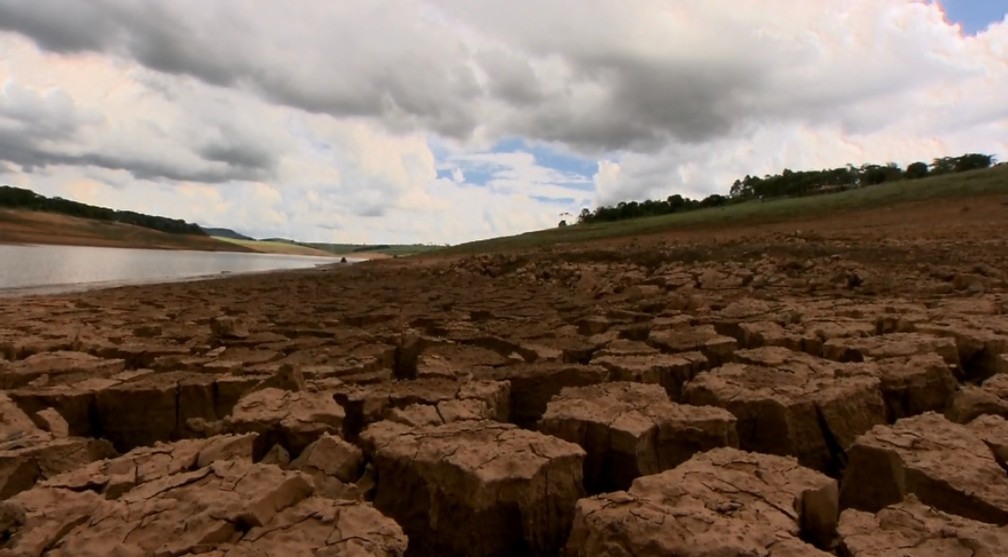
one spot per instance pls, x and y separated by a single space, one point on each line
443 121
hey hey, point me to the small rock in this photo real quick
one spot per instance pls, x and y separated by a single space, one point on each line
331 456
228 327
54 423
277 456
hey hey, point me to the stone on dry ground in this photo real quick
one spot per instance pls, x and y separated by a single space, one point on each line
717 348
533 385
971 401
334 465
293 419
891 346
158 406
722 502
916 384
993 431
476 488
423 401
982 342
913 529
946 465
756 334
29 454
232 507
811 412
671 371
910 385
60 366
631 429
114 477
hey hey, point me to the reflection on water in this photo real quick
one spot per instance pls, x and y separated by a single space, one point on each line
33 268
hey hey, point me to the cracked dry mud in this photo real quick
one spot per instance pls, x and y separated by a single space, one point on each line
675 395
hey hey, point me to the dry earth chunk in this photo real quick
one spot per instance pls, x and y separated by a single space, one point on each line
722 502
476 488
890 346
450 400
631 429
324 527
671 371
717 348
809 412
293 419
60 367
116 476
946 465
912 529
533 385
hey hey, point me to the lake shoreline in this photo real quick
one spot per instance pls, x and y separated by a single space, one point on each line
37 269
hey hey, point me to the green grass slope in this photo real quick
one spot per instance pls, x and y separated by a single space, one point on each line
950 186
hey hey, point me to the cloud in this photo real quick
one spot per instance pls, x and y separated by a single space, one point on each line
383 119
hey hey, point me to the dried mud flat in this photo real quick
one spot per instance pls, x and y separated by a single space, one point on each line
777 394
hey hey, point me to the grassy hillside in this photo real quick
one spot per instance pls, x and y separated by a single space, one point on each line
283 245
34 227
383 249
274 246
952 186
225 233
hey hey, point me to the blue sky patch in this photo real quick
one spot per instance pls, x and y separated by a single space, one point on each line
571 171
975 15
548 157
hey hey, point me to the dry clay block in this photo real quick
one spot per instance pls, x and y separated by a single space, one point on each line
228 508
29 454
912 529
476 488
910 385
946 465
292 419
633 429
811 412
722 502
444 400
116 476
533 385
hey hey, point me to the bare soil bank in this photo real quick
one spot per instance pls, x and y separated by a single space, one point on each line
29 227
835 387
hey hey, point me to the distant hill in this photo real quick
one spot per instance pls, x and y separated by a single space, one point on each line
225 233
21 226
24 199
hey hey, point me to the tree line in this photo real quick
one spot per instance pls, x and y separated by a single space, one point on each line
20 198
790 183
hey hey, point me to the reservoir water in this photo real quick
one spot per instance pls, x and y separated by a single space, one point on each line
31 269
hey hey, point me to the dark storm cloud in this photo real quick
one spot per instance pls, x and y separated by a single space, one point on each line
37 131
339 67
607 76
41 129
24 152
58 26
402 68
239 155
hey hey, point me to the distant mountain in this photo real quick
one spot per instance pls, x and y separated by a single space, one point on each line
225 233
